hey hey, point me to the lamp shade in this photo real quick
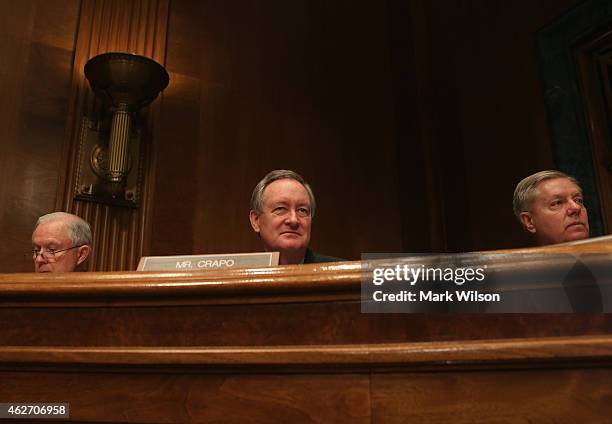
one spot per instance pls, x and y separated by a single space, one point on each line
126 79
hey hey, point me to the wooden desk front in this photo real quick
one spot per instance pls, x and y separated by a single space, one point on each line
288 344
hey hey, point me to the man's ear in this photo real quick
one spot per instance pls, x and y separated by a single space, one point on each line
83 254
527 222
254 218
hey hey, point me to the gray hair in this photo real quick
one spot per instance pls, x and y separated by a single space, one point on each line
279 174
78 229
525 191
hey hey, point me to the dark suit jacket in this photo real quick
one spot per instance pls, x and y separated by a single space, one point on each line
314 258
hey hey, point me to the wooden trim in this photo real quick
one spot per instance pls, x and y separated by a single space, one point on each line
587 57
568 128
558 351
282 284
287 284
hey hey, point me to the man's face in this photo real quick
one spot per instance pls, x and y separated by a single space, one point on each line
54 236
284 223
558 214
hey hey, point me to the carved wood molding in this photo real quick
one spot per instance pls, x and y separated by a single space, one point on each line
481 354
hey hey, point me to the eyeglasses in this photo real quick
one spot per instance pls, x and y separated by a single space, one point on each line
49 254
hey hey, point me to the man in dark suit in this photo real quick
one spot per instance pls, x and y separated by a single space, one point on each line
549 204
282 209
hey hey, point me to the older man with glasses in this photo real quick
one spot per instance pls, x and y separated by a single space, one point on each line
60 242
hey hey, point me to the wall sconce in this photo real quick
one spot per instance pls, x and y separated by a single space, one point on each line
110 158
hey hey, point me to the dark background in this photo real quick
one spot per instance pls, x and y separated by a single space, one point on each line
412 120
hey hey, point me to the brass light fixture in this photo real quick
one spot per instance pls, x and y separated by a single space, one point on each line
110 155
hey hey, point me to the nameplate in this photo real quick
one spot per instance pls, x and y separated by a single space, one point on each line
204 262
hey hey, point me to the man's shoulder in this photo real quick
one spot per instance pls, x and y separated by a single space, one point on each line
316 258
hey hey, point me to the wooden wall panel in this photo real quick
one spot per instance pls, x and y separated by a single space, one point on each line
281 85
478 80
254 325
184 397
413 126
413 121
36 51
290 344
593 67
177 167
565 396
289 305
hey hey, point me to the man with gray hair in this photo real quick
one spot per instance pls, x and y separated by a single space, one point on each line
282 209
61 241
549 205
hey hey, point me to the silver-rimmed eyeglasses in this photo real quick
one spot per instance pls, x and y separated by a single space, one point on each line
49 254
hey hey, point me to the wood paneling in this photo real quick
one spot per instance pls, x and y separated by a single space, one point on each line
114 395
413 121
45 46
429 382
281 85
413 125
121 395
104 26
36 50
244 325
117 394
290 343
480 108
562 396
287 305
594 68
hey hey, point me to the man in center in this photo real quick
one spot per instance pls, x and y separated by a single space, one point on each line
282 209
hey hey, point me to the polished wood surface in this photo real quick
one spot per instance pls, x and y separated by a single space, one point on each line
319 304
509 353
36 50
532 395
290 343
560 396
